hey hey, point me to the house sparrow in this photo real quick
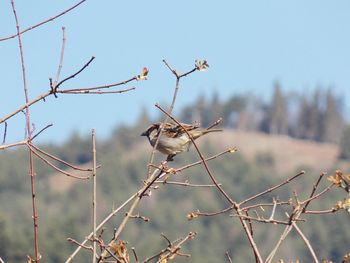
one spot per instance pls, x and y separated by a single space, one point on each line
174 139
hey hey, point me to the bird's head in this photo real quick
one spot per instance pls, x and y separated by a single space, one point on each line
151 129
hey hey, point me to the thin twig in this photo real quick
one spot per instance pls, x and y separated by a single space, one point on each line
140 195
263 220
216 123
5 133
67 91
215 213
84 92
94 201
29 134
106 86
60 160
135 255
307 201
177 86
306 241
265 204
230 150
285 233
79 244
228 257
61 58
75 74
43 129
184 183
10 145
55 167
43 22
272 188
113 213
273 209
316 212
313 191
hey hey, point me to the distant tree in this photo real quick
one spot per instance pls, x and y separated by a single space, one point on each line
332 121
277 113
233 108
309 117
344 152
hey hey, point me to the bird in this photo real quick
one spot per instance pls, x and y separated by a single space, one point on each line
174 138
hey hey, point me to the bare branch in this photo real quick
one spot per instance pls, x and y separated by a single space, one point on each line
272 188
61 58
94 201
285 233
75 74
79 244
109 217
10 145
29 134
43 129
306 241
55 167
5 133
228 257
60 160
43 22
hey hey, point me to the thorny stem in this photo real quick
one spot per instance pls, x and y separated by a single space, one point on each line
29 134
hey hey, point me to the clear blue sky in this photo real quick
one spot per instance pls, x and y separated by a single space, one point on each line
248 44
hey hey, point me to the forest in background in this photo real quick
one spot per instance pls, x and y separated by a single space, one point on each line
64 205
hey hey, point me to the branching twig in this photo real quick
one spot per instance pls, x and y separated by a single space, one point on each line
221 190
55 167
75 74
177 86
79 244
43 22
43 129
137 199
272 188
306 241
184 183
113 213
60 160
29 134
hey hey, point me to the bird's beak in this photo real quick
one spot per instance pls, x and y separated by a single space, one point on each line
144 134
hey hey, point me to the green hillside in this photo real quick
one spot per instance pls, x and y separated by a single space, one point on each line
262 161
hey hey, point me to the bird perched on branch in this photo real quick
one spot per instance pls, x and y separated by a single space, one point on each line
174 138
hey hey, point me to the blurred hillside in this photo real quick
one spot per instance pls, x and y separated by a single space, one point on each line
267 155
